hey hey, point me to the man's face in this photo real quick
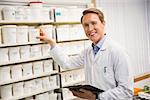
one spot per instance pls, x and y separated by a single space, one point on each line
93 27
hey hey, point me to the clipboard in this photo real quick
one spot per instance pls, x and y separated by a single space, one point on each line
86 87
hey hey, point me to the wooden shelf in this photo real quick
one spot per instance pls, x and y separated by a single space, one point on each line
142 77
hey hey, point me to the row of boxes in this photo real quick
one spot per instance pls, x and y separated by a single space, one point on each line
70 32
59 14
26 13
71 48
23 52
25 69
28 87
11 34
72 77
45 96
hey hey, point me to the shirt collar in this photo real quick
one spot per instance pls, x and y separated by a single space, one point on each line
100 43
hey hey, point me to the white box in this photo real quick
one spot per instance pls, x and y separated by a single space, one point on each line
35 51
52 96
38 84
16 71
14 53
22 34
9 34
4 55
45 49
4 74
46 13
18 89
61 14
46 83
27 69
6 91
63 33
9 13
48 65
46 96
0 34
33 33
39 97
25 52
53 81
29 86
37 68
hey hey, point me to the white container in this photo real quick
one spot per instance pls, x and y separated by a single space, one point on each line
46 96
46 14
22 34
6 91
45 82
36 13
39 97
0 35
9 13
28 14
9 34
28 86
37 68
48 66
35 51
61 14
19 13
45 49
16 71
36 4
27 69
63 33
53 81
4 74
4 55
14 54
18 89
24 52
38 84
0 14
33 33
48 29
52 96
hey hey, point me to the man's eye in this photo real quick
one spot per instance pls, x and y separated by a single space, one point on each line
93 23
86 25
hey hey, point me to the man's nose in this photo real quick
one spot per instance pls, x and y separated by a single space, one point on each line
91 27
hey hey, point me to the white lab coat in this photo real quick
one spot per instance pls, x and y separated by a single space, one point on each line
109 70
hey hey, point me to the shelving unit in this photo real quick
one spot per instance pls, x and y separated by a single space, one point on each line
56 72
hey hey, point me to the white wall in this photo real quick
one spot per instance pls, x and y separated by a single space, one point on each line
127 22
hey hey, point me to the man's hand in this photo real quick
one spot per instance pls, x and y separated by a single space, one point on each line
43 37
85 94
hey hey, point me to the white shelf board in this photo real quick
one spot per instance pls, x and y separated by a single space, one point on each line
26 22
31 94
23 60
28 77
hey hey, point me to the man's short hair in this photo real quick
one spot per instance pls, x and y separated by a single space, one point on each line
93 10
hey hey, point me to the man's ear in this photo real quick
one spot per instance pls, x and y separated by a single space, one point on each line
103 23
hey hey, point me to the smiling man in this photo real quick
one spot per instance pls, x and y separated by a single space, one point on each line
107 65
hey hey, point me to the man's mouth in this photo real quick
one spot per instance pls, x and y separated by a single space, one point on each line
92 34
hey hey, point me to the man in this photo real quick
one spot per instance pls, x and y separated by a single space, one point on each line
106 64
